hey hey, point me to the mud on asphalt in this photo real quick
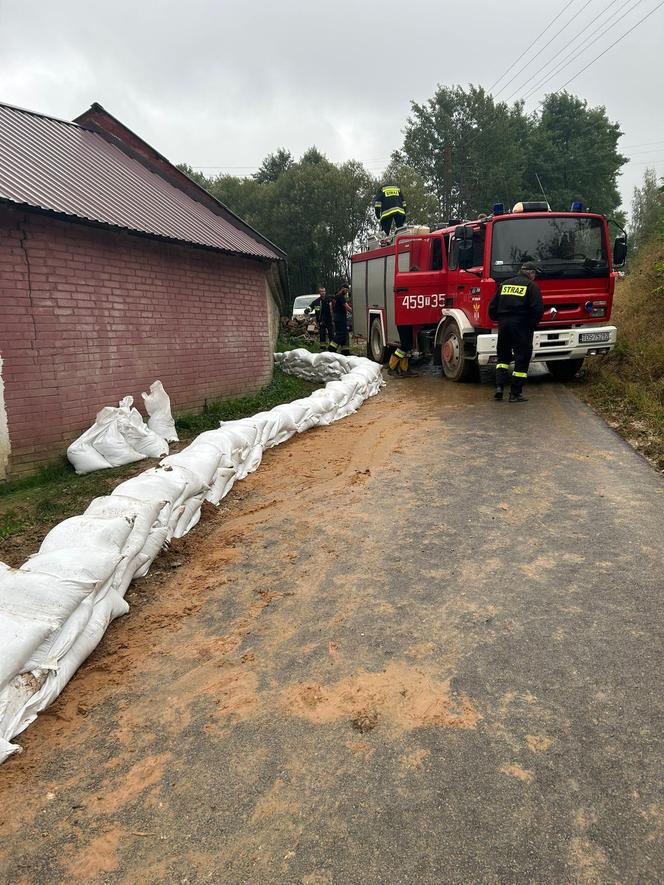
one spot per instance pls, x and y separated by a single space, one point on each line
391 655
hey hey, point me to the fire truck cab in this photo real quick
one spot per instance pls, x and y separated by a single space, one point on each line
439 284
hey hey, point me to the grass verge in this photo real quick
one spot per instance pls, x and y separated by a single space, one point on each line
627 386
31 506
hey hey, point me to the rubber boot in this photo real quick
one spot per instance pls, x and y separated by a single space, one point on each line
404 371
518 398
498 395
393 366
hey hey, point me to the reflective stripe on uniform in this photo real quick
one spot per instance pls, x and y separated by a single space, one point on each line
396 211
391 191
520 374
519 291
398 352
502 365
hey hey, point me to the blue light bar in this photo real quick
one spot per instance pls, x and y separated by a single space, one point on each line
577 206
498 209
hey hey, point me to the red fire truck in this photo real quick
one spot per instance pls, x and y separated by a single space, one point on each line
439 283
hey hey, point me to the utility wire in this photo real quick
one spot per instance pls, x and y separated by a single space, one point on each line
562 64
546 45
642 144
530 46
555 58
615 42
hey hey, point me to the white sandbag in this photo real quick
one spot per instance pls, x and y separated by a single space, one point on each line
140 437
82 453
190 516
201 458
173 484
55 609
13 699
221 485
86 565
119 436
103 532
158 407
28 693
139 566
149 529
113 447
251 462
153 486
32 607
56 646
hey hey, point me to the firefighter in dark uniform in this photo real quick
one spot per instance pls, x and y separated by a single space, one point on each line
517 307
323 313
339 343
389 207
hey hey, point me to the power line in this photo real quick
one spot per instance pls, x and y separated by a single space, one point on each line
615 42
641 144
562 64
528 48
546 45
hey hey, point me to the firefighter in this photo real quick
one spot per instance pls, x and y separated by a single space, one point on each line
323 313
339 343
517 307
389 207
398 365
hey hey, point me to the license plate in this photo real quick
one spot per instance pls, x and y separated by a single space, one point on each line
593 337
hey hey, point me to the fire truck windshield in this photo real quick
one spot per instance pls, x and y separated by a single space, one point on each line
561 247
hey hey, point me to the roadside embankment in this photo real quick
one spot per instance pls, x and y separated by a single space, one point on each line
627 386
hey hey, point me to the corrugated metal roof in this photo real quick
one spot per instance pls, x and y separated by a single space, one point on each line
62 167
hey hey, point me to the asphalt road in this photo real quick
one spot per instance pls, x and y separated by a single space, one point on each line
423 645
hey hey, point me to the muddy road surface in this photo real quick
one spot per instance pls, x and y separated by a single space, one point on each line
420 646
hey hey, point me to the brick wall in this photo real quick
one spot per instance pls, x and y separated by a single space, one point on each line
88 316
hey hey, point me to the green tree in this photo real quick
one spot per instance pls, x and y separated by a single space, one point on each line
574 150
469 150
196 176
318 213
647 210
273 166
315 210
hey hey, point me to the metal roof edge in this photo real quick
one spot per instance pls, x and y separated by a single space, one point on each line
15 107
104 225
231 216
244 223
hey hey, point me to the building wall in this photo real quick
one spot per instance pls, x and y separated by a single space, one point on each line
88 316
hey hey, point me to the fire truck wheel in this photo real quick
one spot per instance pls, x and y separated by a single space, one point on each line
375 349
455 365
564 370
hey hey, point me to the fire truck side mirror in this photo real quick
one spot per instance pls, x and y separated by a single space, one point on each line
619 251
464 237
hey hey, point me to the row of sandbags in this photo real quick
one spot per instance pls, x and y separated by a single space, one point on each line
57 606
120 436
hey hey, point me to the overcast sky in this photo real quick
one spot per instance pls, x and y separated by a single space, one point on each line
221 83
